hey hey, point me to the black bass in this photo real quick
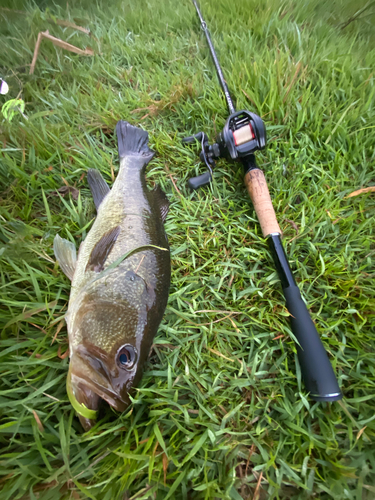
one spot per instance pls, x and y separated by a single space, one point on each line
120 282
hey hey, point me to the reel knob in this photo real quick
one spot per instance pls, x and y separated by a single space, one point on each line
200 181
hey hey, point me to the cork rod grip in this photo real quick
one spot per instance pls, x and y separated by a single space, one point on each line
258 191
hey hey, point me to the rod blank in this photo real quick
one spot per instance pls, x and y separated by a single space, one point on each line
219 71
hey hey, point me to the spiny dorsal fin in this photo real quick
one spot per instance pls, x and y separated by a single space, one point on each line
161 201
99 188
102 249
66 255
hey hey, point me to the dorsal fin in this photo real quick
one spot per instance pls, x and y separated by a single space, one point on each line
98 187
161 201
66 255
102 249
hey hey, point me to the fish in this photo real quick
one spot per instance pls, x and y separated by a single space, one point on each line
119 282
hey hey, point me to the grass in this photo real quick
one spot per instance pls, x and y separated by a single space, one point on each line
221 412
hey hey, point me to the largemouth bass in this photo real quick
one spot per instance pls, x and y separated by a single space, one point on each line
120 282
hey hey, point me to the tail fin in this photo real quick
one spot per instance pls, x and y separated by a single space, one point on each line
132 141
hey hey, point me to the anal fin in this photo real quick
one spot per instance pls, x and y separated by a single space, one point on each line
102 249
161 201
66 255
98 186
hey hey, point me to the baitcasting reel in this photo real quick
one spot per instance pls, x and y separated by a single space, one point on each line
243 134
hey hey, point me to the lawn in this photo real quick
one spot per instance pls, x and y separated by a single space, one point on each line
221 412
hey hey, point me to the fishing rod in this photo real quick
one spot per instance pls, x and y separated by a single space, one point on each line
243 134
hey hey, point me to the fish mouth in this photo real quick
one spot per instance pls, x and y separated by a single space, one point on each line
86 395
105 393
87 390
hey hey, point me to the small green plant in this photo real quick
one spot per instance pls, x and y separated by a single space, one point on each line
11 107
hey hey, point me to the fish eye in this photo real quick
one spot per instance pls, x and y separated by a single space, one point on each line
126 357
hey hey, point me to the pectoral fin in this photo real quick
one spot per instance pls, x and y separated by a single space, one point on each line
66 255
102 249
161 201
99 188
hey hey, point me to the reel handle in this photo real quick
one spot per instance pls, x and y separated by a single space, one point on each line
203 179
318 375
